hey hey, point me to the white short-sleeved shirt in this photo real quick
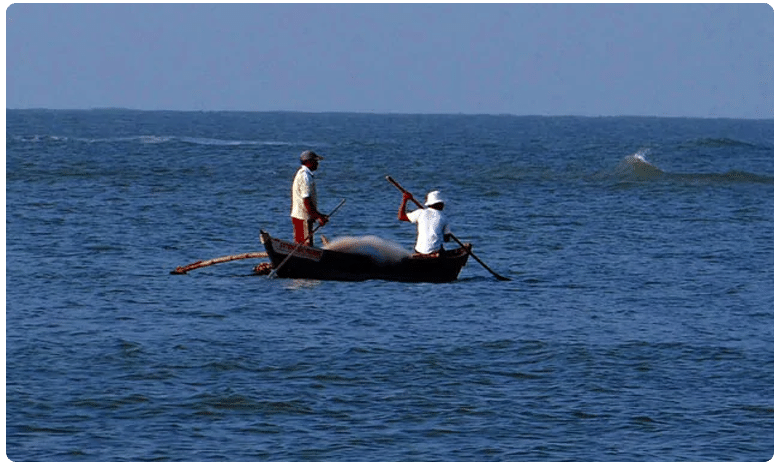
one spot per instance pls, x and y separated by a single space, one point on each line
432 225
303 186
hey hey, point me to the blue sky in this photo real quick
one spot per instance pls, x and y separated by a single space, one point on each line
692 60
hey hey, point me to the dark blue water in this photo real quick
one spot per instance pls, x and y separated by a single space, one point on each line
638 325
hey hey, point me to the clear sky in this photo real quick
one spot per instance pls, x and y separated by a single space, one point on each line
692 60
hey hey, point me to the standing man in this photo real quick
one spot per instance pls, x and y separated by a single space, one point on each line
433 228
304 199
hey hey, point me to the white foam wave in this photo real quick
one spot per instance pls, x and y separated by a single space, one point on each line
220 142
638 157
156 140
637 166
380 250
147 139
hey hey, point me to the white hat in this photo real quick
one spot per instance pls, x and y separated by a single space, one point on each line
434 198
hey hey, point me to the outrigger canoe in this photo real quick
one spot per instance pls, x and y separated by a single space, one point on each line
323 264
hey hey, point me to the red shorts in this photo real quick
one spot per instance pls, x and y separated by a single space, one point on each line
302 230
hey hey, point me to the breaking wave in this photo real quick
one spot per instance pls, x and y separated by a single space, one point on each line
380 250
636 167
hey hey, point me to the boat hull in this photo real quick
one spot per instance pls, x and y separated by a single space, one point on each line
322 264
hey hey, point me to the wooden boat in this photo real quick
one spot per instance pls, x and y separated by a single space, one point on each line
323 264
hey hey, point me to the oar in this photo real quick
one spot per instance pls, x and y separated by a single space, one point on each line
273 273
182 270
499 277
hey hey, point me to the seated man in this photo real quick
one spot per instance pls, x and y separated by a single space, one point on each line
433 228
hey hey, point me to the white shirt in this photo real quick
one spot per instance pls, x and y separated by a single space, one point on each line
432 225
303 186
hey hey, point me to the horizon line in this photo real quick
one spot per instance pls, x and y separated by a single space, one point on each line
493 114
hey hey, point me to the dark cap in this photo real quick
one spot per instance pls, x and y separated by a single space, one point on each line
310 155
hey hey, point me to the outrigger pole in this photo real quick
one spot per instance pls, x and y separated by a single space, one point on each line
182 270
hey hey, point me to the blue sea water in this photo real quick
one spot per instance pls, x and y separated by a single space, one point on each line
638 325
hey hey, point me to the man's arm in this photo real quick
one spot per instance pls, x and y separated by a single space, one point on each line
402 209
312 210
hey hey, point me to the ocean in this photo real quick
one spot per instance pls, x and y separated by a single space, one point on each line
638 325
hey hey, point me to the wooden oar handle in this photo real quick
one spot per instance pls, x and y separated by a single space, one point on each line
329 215
398 186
